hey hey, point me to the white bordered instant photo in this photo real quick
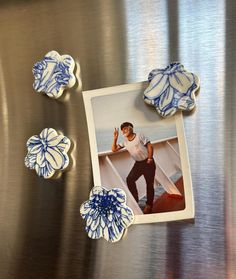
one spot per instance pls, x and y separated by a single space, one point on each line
171 195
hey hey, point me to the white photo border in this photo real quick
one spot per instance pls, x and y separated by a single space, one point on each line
189 211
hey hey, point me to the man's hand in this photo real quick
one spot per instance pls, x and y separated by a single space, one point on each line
115 147
150 153
116 133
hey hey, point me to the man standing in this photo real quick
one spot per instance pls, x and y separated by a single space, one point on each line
141 150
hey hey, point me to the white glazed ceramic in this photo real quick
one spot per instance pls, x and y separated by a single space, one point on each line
106 214
47 153
171 89
54 74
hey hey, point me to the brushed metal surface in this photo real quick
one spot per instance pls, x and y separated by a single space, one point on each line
116 42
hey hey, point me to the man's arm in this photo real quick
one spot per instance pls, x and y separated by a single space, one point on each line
115 147
150 153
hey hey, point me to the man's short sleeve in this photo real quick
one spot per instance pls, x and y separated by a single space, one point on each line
143 139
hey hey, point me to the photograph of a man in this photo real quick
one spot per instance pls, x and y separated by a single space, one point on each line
141 150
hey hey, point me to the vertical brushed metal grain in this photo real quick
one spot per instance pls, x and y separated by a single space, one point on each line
229 121
116 42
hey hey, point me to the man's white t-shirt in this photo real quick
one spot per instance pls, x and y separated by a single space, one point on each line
136 147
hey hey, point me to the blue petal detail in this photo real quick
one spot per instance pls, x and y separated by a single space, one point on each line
45 171
53 74
30 160
171 89
106 214
47 153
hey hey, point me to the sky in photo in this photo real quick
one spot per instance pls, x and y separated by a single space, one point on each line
110 111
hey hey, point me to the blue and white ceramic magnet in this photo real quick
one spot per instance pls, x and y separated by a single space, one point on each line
54 73
47 153
106 214
171 89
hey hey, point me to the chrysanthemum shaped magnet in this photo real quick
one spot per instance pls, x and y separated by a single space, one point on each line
171 89
47 153
54 74
106 214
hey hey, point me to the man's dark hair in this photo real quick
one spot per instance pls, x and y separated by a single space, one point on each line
126 124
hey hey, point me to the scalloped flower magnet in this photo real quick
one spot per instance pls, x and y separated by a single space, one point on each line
171 89
54 74
47 153
106 214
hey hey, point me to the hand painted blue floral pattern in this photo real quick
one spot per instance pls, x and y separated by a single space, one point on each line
53 74
171 89
47 152
106 213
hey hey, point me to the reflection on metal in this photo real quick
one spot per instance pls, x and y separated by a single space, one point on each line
4 117
42 234
145 21
205 54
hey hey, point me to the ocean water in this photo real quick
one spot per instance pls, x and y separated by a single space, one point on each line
105 136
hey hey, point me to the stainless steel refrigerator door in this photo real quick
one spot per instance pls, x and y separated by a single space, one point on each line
116 42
